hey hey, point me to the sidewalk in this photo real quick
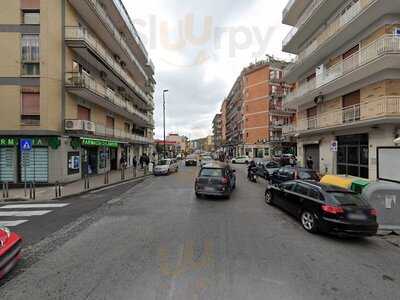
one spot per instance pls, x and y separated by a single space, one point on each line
74 188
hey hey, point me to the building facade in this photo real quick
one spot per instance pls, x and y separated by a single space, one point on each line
76 80
181 141
223 123
347 81
217 130
255 115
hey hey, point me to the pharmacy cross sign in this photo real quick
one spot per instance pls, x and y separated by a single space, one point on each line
25 145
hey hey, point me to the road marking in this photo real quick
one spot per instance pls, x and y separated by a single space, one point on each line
24 213
12 223
25 206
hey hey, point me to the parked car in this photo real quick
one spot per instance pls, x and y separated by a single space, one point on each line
289 173
166 167
191 161
241 160
10 250
324 208
265 168
205 159
215 179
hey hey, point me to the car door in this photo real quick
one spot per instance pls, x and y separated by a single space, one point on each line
277 178
298 198
282 192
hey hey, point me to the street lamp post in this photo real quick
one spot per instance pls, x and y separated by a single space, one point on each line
164 92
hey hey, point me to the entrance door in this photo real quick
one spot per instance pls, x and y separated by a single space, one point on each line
353 155
113 159
7 158
36 163
313 151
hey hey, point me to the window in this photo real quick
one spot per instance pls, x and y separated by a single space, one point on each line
30 55
211 173
315 194
300 189
83 113
31 17
30 106
127 127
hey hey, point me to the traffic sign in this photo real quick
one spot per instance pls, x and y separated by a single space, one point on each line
334 146
25 145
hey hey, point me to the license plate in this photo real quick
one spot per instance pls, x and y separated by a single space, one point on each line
357 217
209 189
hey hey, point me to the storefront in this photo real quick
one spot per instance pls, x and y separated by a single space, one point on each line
353 155
8 161
98 156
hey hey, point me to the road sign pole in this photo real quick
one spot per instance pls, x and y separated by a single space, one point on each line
24 162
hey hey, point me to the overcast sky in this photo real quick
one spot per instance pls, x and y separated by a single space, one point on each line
199 49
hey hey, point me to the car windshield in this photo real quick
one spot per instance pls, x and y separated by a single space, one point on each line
206 158
208 172
348 199
164 162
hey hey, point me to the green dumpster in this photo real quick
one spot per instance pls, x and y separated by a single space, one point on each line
358 185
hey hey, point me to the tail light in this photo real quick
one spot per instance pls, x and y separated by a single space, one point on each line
334 210
224 180
373 212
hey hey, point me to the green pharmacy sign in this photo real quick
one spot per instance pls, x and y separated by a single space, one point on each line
8 142
99 143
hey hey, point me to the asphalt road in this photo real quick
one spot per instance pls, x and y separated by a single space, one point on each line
157 241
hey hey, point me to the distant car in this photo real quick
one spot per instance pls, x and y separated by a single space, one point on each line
205 159
166 167
241 160
10 250
215 179
265 168
191 161
289 173
324 208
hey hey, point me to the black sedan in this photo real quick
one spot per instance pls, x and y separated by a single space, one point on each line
324 208
289 173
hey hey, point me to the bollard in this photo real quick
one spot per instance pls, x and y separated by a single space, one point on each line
106 179
57 188
122 174
32 190
86 182
145 170
134 172
5 190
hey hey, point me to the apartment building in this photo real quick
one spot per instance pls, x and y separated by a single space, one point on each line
223 122
217 130
255 114
263 112
347 81
76 80
180 140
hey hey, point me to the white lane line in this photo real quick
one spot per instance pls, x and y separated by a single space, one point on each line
12 223
26 213
25 206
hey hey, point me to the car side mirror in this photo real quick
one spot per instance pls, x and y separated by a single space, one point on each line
233 171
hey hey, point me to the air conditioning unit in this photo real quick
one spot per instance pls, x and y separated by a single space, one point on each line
73 125
89 126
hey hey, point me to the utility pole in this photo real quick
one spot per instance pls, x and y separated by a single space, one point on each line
164 92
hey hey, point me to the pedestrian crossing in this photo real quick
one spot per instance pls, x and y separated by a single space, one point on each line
13 215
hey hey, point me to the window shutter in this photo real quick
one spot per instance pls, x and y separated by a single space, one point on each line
30 4
30 104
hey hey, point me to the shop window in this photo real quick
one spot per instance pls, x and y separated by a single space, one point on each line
31 17
30 55
30 107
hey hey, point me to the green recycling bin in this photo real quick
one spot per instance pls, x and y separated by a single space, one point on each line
358 185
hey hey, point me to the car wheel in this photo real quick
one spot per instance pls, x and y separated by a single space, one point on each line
308 221
268 197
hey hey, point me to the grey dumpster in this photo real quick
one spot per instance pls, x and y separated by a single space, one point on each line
385 197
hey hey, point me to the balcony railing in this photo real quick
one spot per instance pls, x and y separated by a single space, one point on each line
385 45
117 36
81 34
302 20
78 80
336 26
288 129
387 106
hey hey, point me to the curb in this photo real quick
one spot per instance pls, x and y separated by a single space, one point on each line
24 200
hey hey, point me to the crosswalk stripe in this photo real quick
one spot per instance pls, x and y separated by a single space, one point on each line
12 223
25 206
25 213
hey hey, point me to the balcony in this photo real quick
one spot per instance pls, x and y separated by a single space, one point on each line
100 130
341 31
288 129
373 112
90 48
292 11
87 88
100 21
379 55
